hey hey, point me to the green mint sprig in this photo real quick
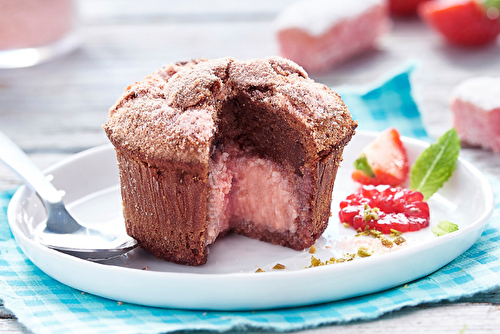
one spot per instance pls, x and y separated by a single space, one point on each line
435 164
444 227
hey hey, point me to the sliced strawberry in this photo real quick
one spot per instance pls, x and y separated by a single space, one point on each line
404 7
384 208
466 23
384 161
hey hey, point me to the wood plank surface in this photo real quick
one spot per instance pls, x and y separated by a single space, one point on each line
56 109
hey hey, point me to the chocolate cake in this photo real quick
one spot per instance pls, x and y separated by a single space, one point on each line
211 146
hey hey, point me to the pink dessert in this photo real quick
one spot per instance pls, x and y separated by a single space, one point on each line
33 23
475 104
320 34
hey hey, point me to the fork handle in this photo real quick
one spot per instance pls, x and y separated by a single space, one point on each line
33 177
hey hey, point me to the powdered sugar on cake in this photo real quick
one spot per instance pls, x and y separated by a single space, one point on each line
177 92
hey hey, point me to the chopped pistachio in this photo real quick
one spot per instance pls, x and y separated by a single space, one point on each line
279 266
365 232
399 240
260 271
347 257
312 250
370 213
316 262
395 233
375 233
386 242
346 224
363 252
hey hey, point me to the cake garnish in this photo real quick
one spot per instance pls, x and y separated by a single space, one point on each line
279 266
444 227
316 262
393 210
383 161
435 164
398 209
399 240
386 242
363 252
394 233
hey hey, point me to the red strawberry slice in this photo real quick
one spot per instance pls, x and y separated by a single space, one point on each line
384 208
404 7
465 23
384 161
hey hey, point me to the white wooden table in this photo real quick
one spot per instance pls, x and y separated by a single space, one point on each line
56 109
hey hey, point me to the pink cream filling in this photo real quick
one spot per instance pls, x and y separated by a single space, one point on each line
246 188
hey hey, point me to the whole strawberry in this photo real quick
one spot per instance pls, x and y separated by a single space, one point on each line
465 23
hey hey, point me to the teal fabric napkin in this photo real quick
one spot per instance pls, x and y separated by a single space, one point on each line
45 306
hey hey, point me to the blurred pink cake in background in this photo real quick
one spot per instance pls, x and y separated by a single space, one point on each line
475 104
33 23
319 34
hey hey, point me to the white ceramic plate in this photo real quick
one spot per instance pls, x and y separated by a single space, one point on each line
228 281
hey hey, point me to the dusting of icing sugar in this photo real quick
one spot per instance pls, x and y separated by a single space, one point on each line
195 124
480 91
171 114
374 246
317 16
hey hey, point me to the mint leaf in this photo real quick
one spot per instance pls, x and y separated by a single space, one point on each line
444 227
362 164
435 165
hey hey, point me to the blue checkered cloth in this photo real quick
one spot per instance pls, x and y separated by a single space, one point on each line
45 306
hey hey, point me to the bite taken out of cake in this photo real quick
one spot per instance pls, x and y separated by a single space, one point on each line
320 34
211 146
475 106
